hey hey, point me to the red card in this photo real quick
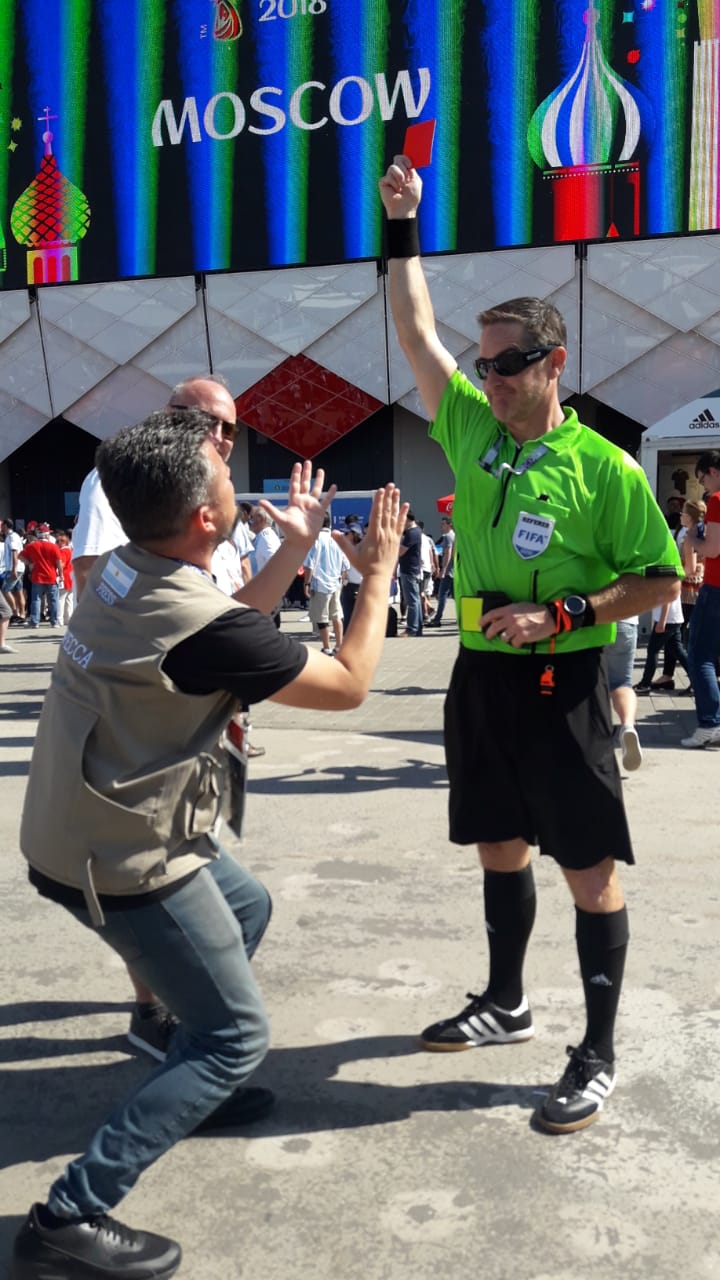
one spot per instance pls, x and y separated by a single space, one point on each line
418 143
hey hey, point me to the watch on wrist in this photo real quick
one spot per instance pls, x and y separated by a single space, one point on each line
578 610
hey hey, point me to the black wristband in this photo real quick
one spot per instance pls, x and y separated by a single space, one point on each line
401 238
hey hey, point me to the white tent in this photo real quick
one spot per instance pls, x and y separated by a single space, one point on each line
689 431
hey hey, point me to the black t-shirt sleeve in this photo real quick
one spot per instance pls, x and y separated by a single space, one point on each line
241 652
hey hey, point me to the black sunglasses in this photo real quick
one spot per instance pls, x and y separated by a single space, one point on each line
229 429
510 362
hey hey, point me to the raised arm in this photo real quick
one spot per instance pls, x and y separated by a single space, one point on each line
431 362
299 523
343 683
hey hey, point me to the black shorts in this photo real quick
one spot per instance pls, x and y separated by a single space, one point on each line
529 747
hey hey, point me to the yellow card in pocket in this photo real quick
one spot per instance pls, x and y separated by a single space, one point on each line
471 611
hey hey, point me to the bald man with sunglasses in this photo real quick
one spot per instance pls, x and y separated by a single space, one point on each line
98 530
558 537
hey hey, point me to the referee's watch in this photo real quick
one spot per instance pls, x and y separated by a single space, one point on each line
578 610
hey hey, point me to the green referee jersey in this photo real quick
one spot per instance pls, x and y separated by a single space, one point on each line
579 514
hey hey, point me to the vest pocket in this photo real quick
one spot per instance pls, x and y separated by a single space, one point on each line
137 823
192 797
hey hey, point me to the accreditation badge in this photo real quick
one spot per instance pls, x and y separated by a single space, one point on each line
532 535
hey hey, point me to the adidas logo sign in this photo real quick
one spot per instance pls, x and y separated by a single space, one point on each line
600 980
704 422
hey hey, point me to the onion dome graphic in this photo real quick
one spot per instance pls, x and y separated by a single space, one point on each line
586 132
50 217
593 117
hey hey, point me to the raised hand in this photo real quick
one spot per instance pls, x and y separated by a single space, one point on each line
378 549
302 519
401 189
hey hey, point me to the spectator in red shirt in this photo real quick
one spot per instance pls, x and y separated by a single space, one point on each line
65 592
44 559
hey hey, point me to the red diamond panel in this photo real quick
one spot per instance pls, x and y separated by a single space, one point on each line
304 407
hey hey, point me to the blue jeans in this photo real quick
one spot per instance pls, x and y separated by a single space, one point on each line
703 649
410 587
193 949
444 590
37 591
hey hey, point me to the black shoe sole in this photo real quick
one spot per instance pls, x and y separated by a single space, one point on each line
63 1266
70 1269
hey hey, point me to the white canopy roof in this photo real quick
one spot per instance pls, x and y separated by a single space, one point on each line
694 421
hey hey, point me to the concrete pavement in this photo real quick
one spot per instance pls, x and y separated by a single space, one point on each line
382 1162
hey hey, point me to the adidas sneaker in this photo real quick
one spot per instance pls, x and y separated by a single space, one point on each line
481 1022
579 1095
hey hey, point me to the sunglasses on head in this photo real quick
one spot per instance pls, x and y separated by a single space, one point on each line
229 429
510 362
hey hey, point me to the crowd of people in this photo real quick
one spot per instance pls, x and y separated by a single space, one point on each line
37 578
555 538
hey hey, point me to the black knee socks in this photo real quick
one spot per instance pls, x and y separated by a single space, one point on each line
509 918
601 944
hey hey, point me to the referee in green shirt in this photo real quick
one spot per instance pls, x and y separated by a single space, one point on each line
558 537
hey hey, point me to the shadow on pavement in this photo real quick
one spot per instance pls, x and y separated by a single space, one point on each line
15 1015
410 690
20 710
338 779
14 768
55 1110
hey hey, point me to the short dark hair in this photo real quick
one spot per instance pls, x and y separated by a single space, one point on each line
706 461
10 523
156 474
541 321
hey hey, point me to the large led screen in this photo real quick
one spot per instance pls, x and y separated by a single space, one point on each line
162 137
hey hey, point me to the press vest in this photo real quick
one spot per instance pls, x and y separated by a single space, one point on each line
128 776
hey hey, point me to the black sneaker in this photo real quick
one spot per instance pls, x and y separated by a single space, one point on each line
480 1023
242 1107
153 1031
90 1250
579 1095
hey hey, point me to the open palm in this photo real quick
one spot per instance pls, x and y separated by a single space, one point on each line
302 519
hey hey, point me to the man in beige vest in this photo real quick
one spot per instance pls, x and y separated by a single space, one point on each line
154 666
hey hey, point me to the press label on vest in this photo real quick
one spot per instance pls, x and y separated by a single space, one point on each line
104 593
118 575
76 651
